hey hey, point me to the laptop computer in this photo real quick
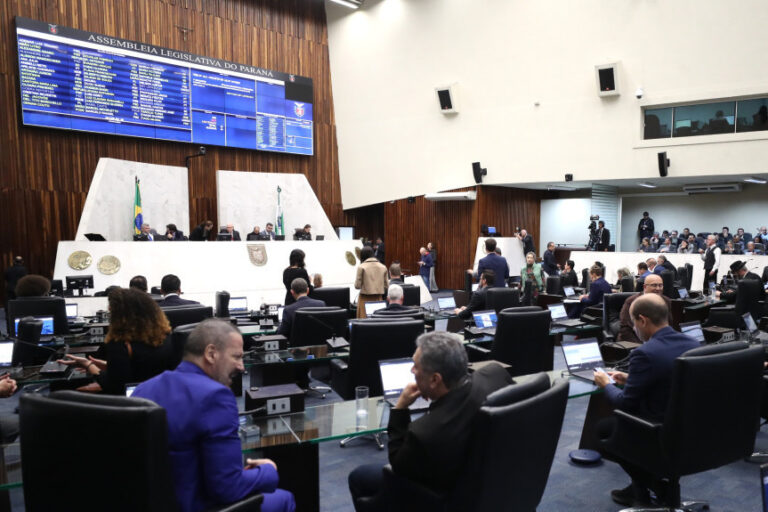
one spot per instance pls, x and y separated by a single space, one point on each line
754 332
583 357
238 306
6 355
683 294
560 316
485 323
71 311
570 293
371 307
693 330
446 303
395 375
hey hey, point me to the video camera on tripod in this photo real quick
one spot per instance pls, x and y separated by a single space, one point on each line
592 244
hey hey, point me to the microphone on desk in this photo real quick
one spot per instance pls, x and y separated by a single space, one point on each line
332 340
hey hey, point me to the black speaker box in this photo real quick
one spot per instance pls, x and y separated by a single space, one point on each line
663 164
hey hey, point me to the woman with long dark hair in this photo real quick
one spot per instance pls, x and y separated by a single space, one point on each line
295 269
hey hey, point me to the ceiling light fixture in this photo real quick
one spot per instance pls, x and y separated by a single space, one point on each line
561 188
348 3
646 184
757 181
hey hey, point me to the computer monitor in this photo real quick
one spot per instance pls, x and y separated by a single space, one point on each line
693 330
491 230
320 237
79 283
47 325
57 288
38 307
225 236
238 304
71 310
683 293
446 303
345 232
484 319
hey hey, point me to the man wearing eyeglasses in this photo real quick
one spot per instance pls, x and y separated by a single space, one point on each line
652 284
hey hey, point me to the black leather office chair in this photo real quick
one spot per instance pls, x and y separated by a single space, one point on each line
747 295
627 284
312 326
176 342
416 314
130 435
509 460
181 315
689 267
682 278
502 298
711 419
337 296
612 304
554 285
585 280
156 290
222 304
411 295
522 340
667 279
765 274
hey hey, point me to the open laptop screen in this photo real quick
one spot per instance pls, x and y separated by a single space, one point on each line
47 325
238 304
395 375
446 303
750 322
582 354
6 353
557 311
683 293
693 330
485 318
568 291
71 310
371 307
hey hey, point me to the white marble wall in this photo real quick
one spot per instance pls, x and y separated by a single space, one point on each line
207 267
511 249
248 199
108 208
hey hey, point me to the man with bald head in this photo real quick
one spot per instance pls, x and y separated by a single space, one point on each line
652 284
711 259
646 386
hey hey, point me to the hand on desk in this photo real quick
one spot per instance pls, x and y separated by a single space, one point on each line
7 386
459 310
408 396
253 463
99 364
603 379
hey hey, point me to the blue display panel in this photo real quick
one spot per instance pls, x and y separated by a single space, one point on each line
77 80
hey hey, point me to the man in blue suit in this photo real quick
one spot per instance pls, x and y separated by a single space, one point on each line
646 385
204 446
299 290
171 288
597 289
493 261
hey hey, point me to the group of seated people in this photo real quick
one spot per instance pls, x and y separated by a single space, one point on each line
695 243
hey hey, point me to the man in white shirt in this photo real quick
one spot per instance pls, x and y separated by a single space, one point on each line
711 259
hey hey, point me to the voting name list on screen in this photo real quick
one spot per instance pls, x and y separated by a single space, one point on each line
76 80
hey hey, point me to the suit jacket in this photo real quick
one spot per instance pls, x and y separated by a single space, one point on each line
476 303
143 237
569 279
371 278
428 263
597 289
604 239
626 330
398 307
528 244
290 311
729 295
379 252
433 449
549 264
267 235
254 236
289 274
198 234
496 263
203 442
173 300
646 392
177 236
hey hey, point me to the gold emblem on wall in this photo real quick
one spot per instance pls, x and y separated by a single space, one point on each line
357 252
108 265
257 254
350 258
79 260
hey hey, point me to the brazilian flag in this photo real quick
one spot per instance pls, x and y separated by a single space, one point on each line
138 219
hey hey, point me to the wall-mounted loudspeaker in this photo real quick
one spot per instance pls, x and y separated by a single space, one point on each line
569 177
478 172
663 163
607 79
446 97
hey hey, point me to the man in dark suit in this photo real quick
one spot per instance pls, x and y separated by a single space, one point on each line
527 240
254 235
269 232
646 386
739 271
229 234
433 449
645 227
147 234
171 288
172 234
549 264
12 276
203 442
378 250
597 289
299 291
201 232
603 237
662 264
651 284
395 298
395 274
477 300
493 261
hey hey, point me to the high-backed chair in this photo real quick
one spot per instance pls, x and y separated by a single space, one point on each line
689 267
765 274
747 295
181 315
585 278
416 314
554 285
312 326
509 460
627 284
682 278
177 341
370 341
337 296
222 304
132 431
612 304
501 298
711 420
667 279
522 340
411 295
